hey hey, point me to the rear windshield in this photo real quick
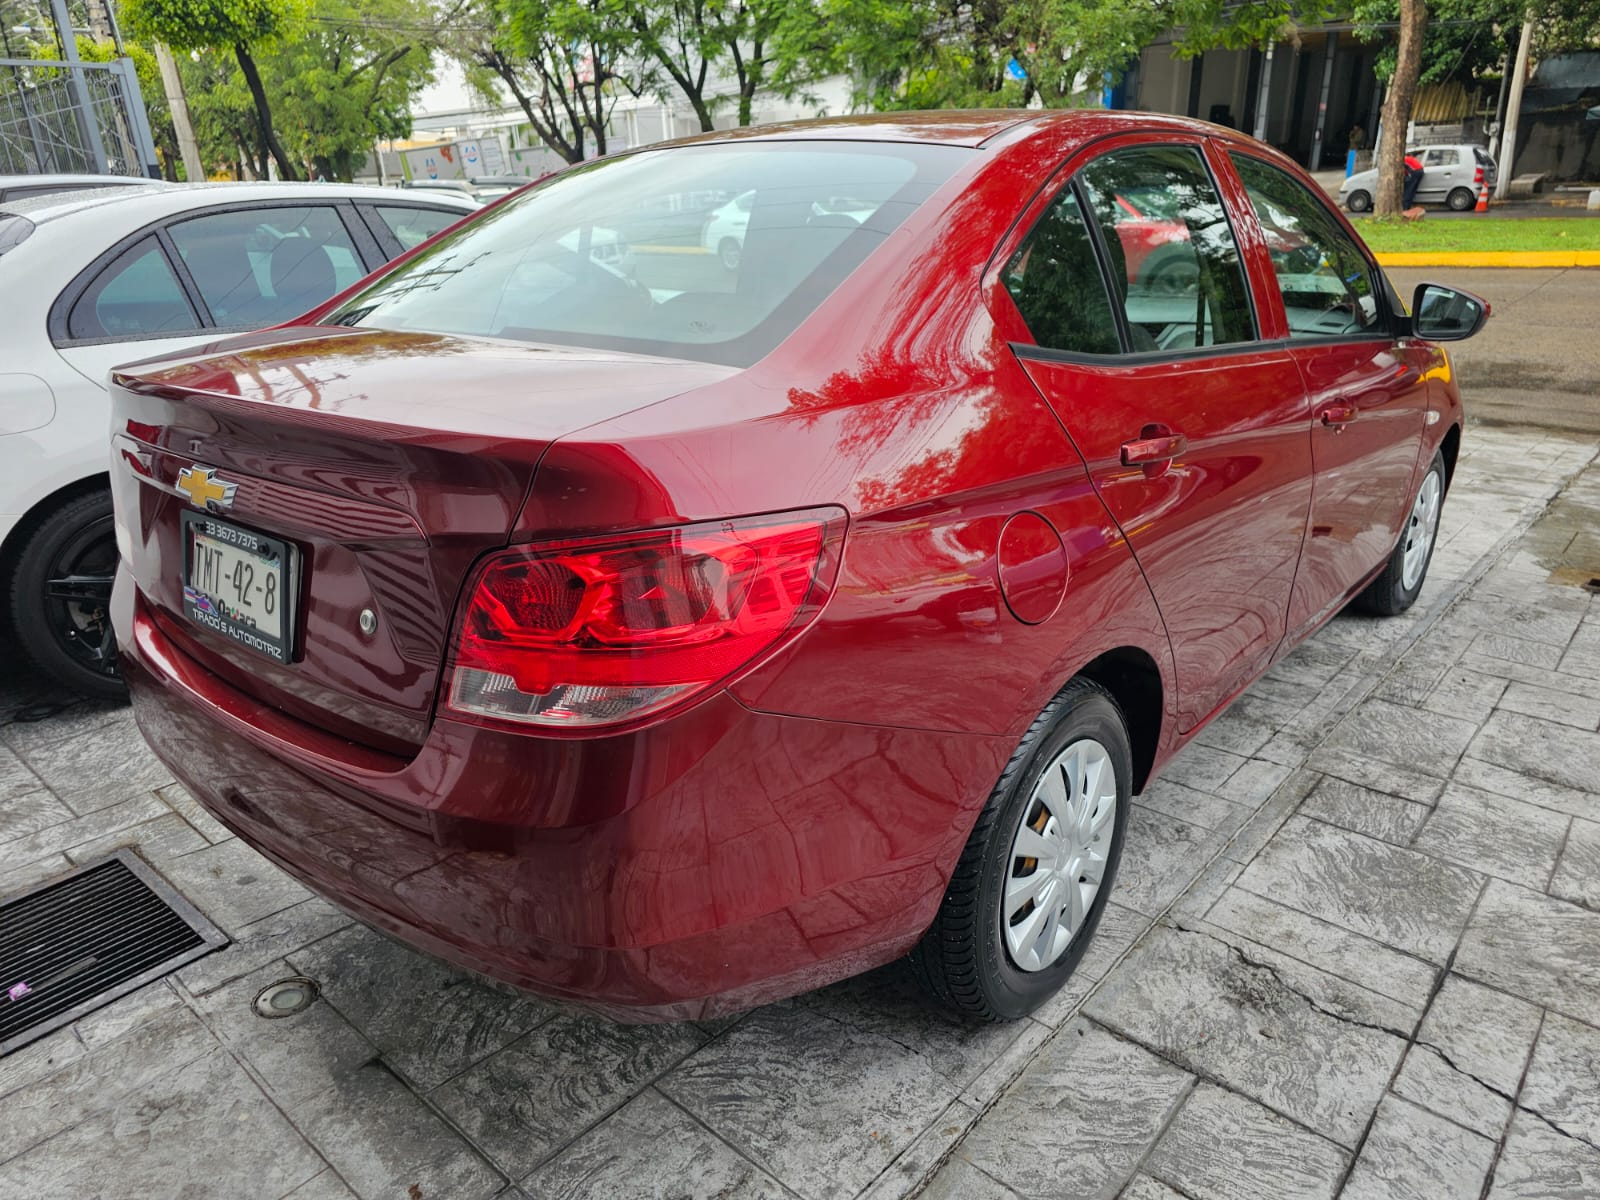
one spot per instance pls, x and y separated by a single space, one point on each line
711 252
1483 158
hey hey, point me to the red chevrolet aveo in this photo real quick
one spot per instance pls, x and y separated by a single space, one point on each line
672 638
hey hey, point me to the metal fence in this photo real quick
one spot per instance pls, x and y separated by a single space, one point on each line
78 117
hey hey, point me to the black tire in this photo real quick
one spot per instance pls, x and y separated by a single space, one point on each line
963 958
730 251
1388 595
1461 200
1359 201
70 641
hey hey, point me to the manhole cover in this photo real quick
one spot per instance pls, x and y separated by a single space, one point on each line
74 945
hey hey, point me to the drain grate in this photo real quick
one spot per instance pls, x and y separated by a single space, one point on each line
71 946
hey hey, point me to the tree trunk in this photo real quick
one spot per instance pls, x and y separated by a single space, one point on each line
264 113
169 160
1397 108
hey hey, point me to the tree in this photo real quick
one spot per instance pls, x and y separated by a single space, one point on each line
563 61
239 26
694 45
1397 108
349 78
1005 52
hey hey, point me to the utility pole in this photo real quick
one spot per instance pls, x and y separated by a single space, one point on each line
188 148
1264 90
1508 136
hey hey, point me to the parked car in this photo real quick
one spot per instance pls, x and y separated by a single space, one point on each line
21 187
492 187
453 187
1451 175
725 228
95 278
723 637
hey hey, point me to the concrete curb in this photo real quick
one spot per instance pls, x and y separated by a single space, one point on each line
1491 258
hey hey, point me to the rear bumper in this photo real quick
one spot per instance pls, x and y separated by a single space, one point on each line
721 859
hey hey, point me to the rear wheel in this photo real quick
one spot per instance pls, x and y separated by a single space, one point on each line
1358 201
1461 200
1031 885
730 251
61 596
1400 584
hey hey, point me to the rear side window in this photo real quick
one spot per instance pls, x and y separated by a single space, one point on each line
1174 262
709 252
137 295
257 267
1329 288
413 226
1055 281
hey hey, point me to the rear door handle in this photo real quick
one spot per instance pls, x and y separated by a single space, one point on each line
1337 414
1159 448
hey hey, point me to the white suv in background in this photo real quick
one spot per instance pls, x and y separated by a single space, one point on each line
94 279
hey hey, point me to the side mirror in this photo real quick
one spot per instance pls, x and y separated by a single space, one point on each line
1443 314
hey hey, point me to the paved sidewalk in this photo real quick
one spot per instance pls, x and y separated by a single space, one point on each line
1355 950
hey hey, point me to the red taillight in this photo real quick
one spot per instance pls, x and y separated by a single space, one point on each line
575 635
1477 175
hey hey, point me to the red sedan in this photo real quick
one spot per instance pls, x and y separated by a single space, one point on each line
673 639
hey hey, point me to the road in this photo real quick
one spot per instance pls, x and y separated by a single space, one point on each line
1537 362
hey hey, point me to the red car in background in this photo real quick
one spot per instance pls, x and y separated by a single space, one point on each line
673 639
1146 222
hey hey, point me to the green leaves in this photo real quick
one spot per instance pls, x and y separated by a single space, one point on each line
209 24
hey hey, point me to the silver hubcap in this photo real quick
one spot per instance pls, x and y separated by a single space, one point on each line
1420 529
1058 856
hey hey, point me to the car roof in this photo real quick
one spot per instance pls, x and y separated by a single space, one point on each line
88 181
158 201
956 127
960 127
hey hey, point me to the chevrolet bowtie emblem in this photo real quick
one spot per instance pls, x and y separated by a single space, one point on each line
204 489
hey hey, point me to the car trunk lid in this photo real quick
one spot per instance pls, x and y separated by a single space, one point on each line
387 461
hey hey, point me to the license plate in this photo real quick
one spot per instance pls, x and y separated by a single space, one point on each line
239 583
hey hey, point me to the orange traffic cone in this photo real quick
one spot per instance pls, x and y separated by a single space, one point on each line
1483 198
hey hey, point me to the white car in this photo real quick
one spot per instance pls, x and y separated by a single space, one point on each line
1451 175
93 279
22 187
725 228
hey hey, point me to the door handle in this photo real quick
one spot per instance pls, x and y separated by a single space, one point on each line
1152 447
1341 413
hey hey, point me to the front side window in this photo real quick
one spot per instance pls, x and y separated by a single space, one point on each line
1176 263
708 252
260 266
1329 288
137 295
1056 283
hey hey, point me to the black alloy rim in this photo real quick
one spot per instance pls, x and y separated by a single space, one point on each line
77 597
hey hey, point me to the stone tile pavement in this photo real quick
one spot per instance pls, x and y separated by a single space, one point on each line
1355 952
